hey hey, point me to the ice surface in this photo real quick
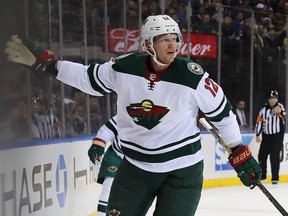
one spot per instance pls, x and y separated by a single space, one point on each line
241 201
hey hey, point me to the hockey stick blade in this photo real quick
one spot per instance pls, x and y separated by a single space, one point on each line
205 123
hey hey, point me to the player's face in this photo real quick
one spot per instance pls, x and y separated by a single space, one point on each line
165 47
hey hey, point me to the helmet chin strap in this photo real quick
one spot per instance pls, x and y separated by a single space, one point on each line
157 62
154 57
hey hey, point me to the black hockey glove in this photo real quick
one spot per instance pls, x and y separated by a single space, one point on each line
30 53
96 150
245 165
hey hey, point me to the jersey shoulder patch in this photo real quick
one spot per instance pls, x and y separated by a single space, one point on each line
195 68
184 72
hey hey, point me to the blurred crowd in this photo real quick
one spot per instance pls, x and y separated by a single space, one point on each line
199 16
41 115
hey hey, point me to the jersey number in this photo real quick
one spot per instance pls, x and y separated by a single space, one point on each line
211 86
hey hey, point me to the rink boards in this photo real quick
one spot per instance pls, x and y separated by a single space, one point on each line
56 178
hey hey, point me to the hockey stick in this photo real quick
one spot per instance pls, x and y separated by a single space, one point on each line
205 123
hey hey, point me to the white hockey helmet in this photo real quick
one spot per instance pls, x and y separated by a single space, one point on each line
159 25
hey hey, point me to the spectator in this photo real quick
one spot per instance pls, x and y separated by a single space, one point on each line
144 10
246 8
271 40
132 15
176 9
76 122
280 28
96 116
212 7
237 23
114 13
153 8
279 6
230 40
241 115
205 26
266 22
55 122
260 13
197 17
246 37
42 126
285 9
182 17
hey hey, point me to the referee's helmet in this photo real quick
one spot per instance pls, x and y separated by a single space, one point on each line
273 94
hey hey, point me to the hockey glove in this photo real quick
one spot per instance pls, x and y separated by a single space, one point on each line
96 150
31 54
245 165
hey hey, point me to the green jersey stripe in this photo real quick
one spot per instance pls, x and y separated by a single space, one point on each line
188 149
140 147
112 127
225 113
101 89
212 113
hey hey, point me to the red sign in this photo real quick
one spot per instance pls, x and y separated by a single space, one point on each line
201 45
119 38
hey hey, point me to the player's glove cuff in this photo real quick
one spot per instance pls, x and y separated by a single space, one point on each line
99 142
96 150
245 165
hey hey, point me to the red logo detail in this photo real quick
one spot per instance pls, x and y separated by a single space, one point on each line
241 157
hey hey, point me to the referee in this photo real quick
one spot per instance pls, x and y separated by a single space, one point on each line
271 124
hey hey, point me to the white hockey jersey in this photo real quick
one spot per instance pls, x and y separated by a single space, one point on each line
109 133
156 113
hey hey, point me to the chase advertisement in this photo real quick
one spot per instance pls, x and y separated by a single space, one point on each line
57 178
49 179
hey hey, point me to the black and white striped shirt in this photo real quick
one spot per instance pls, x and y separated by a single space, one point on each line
269 122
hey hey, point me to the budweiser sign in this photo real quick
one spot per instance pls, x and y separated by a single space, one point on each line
200 46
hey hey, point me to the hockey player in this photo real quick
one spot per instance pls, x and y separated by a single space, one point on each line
159 96
111 161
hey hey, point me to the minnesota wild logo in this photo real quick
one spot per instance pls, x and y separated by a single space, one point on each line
112 169
146 113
